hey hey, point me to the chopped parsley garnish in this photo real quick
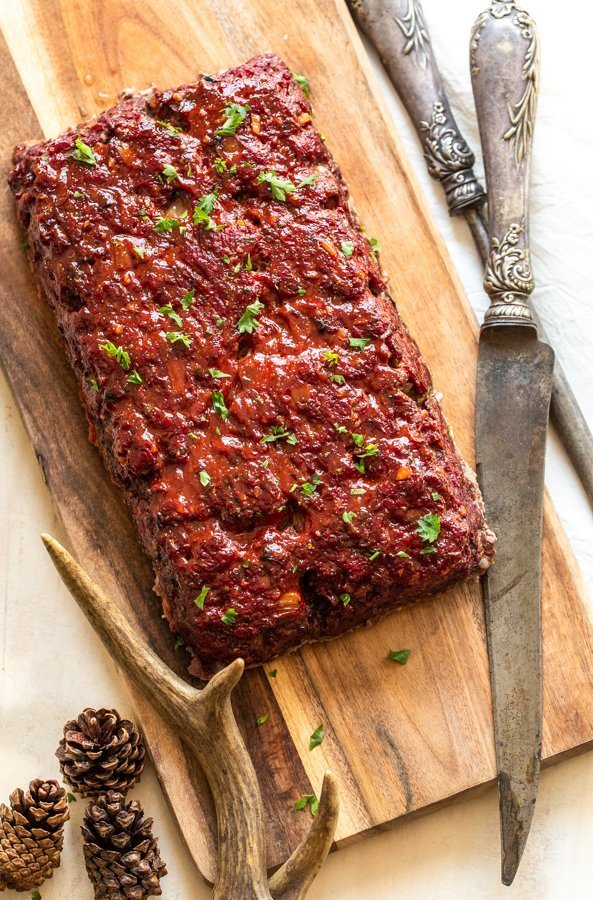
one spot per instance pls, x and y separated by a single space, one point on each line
272 673
138 251
301 292
178 643
175 337
402 554
336 377
172 129
188 299
374 245
435 496
347 517
279 433
347 248
369 450
199 601
220 165
357 438
230 617
248 321
204 478
219 406
357 492
193 436
374 555
331 358
169 311
36 895
345 598
83 153
170 173
261 720
117 353
309 487
359 343
307 800
248 263
78 195
135 377
235 115
429 528
280 187
399 656
94 385
165 225
216 373
203 210
71 799
316 738
341 429
430 549
303 83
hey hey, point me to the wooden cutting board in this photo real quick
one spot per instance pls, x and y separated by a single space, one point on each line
401 740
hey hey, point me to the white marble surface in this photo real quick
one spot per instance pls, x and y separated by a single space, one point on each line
52 665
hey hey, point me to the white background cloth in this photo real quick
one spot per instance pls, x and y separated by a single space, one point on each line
53 665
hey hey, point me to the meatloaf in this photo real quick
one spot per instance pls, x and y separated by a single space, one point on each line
245 374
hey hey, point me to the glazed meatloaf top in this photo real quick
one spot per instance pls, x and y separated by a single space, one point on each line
245 373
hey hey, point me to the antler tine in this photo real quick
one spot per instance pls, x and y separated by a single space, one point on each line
293 879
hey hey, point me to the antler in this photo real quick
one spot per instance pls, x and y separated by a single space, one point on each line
204 719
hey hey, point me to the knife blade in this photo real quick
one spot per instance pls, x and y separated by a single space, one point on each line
514 387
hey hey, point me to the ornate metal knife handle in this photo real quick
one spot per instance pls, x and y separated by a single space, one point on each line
505 69
398 31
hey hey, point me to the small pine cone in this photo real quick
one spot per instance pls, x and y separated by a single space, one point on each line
32 835
101 752
120 852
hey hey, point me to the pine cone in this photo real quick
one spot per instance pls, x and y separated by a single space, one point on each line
32 835
101 752
120 851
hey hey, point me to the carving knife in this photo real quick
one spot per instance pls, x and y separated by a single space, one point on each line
398 31
514 387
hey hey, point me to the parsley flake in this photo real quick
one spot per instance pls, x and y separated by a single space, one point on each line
199 601
135 377
272 673
172 129
357 492
219 406
402 554
309 487
345 598
204 478
235 115
118 353
169 311
307 800
35 895
138 251
435 496
70 798
347 248
230 617
94 385
374 245
303 83
83 153
279 433
175 337
429 527
188 299
347 517
316 738
399 656
279 187
374 555
170 173
165 225
203 210
359 343
248 321
261 720
216 373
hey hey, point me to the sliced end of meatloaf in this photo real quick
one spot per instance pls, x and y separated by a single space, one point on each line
245 373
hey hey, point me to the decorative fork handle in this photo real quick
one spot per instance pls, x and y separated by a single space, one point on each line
398 31
504 62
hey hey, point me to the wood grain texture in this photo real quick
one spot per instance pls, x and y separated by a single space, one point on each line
400 740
